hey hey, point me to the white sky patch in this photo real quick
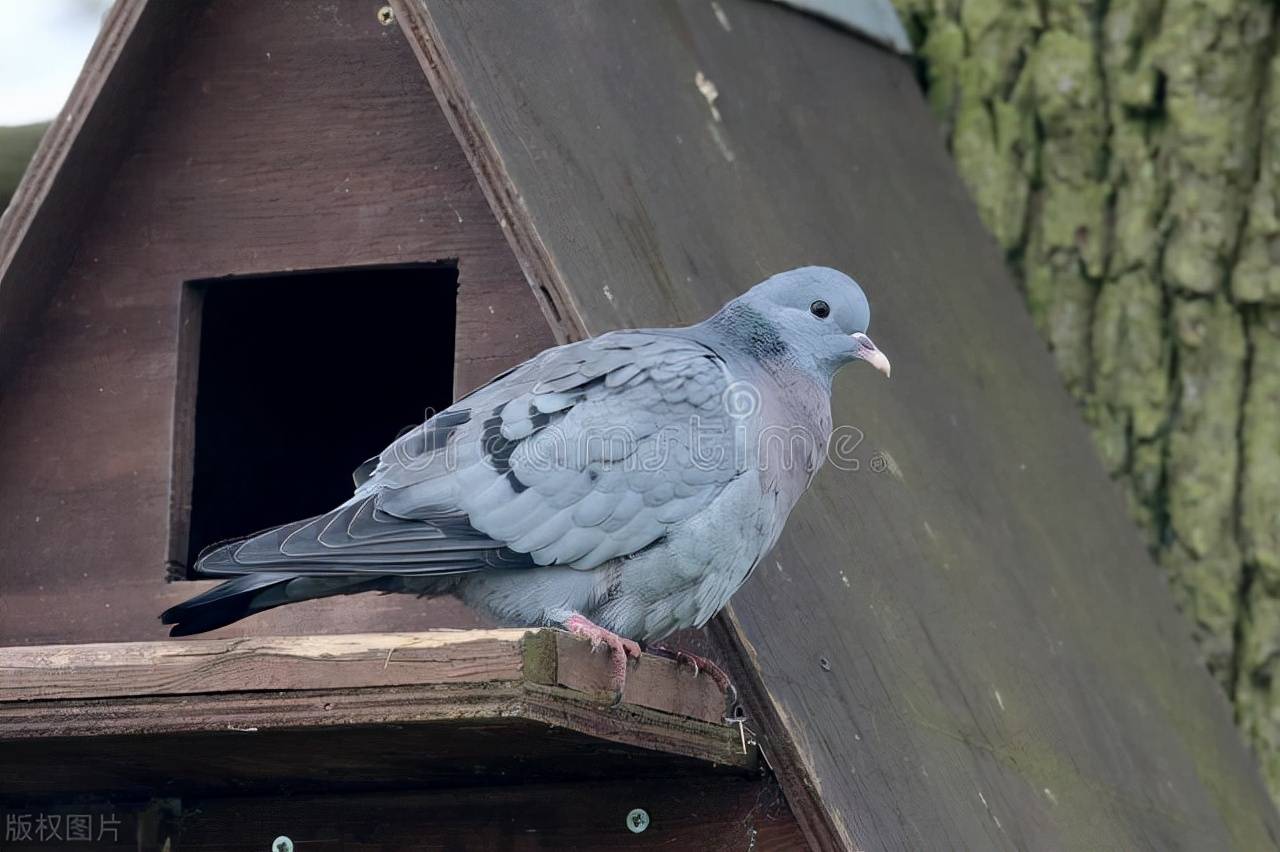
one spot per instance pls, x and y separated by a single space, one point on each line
42 47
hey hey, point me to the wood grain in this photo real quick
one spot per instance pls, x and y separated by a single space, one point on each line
272 137
960 639
447 685
68 173
685 813
552 662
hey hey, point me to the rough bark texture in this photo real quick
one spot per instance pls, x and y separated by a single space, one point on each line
1126 156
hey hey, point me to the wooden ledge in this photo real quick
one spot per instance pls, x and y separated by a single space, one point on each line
257 685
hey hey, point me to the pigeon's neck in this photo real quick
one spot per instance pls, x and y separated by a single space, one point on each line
751 332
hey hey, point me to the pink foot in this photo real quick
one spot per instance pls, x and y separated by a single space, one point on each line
698 664
619 649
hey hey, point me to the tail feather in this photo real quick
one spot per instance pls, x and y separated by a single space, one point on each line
354 548
223 604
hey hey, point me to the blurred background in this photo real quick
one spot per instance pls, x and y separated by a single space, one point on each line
1126 157
42 46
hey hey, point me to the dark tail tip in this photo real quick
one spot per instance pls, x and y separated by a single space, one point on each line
222 605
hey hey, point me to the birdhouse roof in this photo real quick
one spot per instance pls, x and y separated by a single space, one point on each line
960 639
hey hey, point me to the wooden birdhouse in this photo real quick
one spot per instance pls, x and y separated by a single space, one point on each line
306 224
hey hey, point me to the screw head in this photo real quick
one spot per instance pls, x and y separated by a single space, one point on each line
386 15
282 844
638 820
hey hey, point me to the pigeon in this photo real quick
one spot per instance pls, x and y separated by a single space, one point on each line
620 487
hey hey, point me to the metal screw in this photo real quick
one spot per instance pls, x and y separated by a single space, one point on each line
282 844
386 15
638 820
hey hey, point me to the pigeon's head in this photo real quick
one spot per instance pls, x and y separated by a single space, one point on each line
814 315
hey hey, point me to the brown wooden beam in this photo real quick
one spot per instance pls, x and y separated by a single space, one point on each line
274 683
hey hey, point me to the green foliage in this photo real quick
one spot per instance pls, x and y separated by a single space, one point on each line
17 144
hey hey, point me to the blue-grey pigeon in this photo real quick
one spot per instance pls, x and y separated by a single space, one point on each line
621 487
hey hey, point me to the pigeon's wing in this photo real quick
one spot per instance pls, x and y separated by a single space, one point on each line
588 452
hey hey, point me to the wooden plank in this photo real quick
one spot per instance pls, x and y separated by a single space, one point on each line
545 657
684 813
654 682
273 138
404 753
108 670
260 683
133 717
960 639
686 810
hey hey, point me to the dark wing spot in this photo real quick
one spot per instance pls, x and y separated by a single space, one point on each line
515 483
452 419
538 418
497 450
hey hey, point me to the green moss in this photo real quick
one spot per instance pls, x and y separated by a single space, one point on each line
943 53
1257 692
1130 398
1260 488
1257 274
1203 450
1211 142
1126 154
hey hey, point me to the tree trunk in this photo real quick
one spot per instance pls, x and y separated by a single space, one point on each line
1126 155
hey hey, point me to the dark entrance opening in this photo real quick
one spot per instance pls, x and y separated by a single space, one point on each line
301 377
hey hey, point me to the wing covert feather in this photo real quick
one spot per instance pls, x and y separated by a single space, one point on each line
586 453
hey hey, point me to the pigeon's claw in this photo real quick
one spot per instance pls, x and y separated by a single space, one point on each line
699 665
620 648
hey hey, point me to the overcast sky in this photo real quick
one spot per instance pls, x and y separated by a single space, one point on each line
43 43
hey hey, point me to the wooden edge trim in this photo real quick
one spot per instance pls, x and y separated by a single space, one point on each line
778 748
381 678
632 724
557 302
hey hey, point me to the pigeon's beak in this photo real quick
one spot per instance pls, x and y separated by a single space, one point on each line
868 352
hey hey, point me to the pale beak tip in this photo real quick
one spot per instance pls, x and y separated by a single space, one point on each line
878 360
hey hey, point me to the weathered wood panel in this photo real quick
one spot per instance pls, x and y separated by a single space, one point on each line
98 672
962 636
684 813
694 811
68 173
455 688
282 136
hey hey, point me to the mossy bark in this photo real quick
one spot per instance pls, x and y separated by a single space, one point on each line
1126 156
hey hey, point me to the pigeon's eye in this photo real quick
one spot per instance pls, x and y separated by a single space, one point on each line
820 309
